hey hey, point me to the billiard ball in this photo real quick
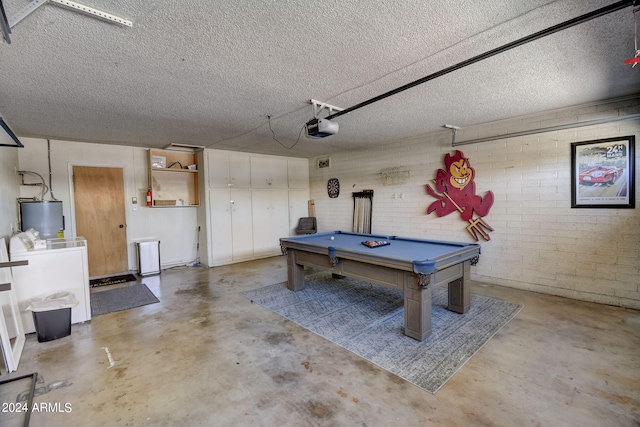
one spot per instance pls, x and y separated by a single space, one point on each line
332 238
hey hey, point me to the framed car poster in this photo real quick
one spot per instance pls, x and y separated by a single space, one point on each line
603 173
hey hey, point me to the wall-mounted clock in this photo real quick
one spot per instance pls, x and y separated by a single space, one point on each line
333 188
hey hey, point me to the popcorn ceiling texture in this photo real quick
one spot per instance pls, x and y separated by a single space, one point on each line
208 73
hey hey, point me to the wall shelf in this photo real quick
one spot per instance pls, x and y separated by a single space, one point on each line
173 170
175 186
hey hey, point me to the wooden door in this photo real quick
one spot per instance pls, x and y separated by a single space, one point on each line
100 218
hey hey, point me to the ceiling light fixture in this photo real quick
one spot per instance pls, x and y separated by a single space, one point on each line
183 147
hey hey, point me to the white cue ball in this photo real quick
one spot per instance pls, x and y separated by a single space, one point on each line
332 238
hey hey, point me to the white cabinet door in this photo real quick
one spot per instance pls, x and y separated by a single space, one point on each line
240 170
231 226
242 226
270 221
229 170
221 251
298 208
298 171
218 168
269 172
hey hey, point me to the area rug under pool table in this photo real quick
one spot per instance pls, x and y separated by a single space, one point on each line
368 320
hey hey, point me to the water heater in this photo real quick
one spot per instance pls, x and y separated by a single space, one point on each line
45 217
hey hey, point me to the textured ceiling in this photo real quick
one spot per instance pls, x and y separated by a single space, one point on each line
209 73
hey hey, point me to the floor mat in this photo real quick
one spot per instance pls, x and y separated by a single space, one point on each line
119 299
112 280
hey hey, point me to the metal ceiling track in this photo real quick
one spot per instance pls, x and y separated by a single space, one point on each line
77 7
551 30
455 143
318 106
4 24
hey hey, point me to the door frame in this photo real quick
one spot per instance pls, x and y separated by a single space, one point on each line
72 201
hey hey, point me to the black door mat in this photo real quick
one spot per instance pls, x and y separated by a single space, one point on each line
113 280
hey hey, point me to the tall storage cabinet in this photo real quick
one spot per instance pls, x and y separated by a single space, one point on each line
250 202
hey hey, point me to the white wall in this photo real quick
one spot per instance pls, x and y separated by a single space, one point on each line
540 243
8 191
176 228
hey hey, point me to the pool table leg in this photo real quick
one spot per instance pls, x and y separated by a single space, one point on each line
295 272
459 291
417 308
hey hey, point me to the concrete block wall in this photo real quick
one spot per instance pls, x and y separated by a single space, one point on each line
539 242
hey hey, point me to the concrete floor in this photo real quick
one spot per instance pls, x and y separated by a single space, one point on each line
205 355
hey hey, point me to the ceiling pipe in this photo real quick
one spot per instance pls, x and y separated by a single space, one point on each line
551 30
455 143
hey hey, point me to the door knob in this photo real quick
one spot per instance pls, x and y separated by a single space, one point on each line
121 226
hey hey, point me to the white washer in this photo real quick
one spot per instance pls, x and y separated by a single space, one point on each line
62 266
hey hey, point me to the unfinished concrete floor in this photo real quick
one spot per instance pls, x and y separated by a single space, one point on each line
207 356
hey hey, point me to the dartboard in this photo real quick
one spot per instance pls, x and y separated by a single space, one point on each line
333 188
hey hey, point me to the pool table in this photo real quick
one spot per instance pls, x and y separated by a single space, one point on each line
413 266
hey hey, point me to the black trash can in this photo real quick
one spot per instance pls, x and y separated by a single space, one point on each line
52 315
53 324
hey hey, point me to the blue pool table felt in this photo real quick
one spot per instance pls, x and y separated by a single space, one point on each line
419 252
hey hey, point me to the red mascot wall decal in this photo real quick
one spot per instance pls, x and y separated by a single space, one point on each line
456 190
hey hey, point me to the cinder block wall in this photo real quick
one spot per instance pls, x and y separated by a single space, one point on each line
540 243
